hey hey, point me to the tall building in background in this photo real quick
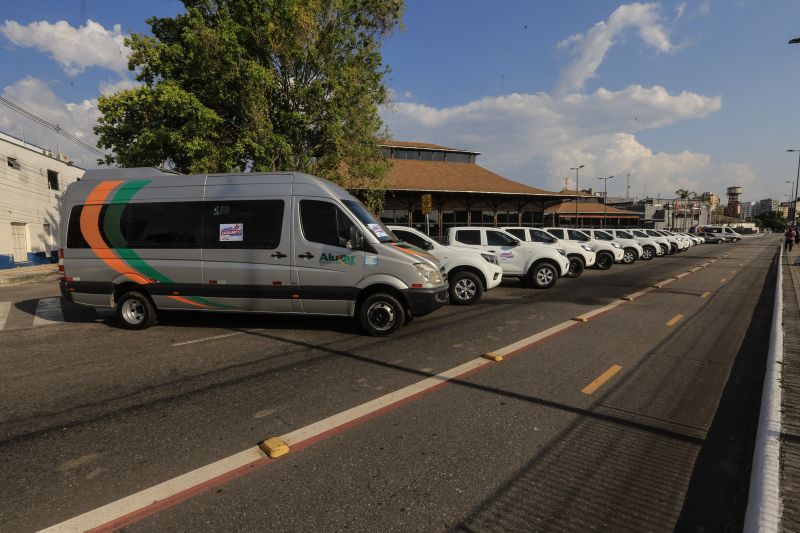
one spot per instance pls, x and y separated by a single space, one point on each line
748 209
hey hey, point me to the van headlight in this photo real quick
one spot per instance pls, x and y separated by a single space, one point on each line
429 273
616 245
586 247
491 258
562 251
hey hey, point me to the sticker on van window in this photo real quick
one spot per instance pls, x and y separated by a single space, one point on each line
348 260
371 260
231 232
377 230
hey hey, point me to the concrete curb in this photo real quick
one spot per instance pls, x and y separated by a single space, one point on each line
764 506
22 276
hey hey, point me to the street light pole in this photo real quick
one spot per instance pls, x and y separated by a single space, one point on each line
605 200
577 189
796 180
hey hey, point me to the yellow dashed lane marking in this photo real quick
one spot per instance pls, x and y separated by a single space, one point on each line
705 294
674 320
601 379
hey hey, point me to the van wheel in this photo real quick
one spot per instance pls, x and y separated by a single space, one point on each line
136 311
543 275
604 260
576 266
381 314
465 288
648 253
629 256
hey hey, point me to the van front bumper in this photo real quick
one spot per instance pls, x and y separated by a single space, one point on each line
424 301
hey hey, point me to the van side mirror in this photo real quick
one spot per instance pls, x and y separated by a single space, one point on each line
355 239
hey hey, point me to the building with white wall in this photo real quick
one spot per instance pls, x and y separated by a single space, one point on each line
32 181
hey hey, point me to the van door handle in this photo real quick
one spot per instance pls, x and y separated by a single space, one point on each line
307 255
279 255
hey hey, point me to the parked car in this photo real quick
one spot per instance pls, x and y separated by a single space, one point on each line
469 272
607 252
650 247
140 241
630 248
540 264
712 238
580 255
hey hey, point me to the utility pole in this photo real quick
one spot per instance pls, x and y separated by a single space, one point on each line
628 185
577 182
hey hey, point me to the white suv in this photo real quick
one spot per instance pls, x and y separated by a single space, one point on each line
607 252
540 264
580 255
469 272
631 249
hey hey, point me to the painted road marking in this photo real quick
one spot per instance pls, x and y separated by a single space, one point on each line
705 294
5 308
674 320
723 280
601 379
586 316
635 295
48 311
209 338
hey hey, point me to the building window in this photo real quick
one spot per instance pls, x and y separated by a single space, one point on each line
456 157
52 179
426 155
13 163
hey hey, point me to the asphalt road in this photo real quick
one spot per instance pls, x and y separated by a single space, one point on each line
90 413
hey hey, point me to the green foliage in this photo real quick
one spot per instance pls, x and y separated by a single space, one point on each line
261 85
773 220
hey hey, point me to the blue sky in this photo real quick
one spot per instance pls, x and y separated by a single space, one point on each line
695 94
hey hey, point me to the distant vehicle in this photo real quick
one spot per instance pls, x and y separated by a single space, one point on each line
667 247
726 231
651 246
580 255
711 238
540 264
469 272
140 241
632 250
607 252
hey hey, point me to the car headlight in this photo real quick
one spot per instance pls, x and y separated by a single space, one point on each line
586 247
562 251
431 275
491 258
616 245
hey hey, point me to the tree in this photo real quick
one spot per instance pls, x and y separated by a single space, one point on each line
258 85
686 195
773 220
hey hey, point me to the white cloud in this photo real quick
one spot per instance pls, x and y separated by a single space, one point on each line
111 87
536 138
75 49
77 118
680 9
590 49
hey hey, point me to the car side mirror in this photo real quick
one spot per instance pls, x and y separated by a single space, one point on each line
515 243
428 245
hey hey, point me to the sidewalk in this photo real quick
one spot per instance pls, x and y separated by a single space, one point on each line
790 389
11 276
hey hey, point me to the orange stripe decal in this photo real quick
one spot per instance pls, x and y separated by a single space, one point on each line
187 301
90 219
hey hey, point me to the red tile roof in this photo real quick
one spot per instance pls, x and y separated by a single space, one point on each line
568 208
436 176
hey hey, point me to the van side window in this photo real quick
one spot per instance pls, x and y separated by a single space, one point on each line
469 236
74 236
162 225
495 238
518 233
254 224
324 223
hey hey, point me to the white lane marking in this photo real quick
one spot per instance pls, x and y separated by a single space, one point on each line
535 338
48 311
5 308
594 312
140 500
208 338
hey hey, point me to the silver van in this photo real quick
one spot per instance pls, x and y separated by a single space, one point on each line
139 241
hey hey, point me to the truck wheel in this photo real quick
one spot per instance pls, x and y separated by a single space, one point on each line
665 249
673 248
648 253
136 311
576 266
629 256
465 288
381 314
604 260
543 275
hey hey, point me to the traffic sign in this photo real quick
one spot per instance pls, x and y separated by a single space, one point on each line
427 204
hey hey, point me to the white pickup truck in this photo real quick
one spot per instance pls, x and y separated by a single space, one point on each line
540 264
607 252
580 255
469 272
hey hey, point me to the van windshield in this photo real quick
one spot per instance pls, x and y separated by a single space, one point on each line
380 231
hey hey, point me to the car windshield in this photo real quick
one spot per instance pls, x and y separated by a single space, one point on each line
575 235
640 234
380 231
603 236
625 235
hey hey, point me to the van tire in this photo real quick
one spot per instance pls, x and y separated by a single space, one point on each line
576 266
465 288
648 252
381 314
629 256
604 260
543 275
136 311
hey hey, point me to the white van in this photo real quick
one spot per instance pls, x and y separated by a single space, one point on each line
140 241
469 272
540 264
580 255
